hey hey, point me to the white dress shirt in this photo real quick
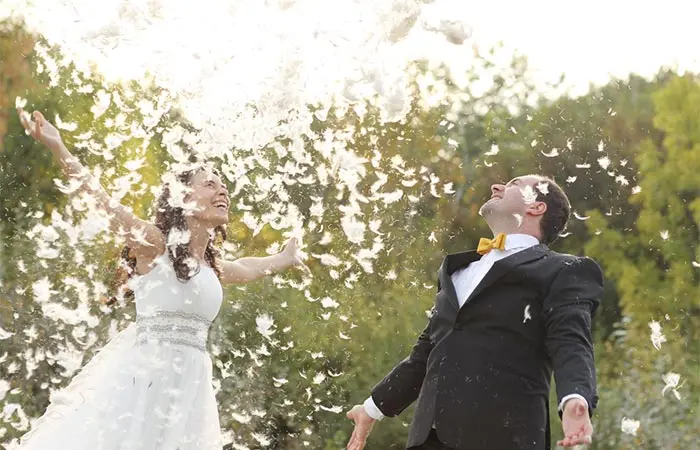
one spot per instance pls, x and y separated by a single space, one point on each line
465 280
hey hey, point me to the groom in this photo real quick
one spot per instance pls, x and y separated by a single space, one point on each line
504 318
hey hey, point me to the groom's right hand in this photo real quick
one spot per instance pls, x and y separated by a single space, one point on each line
363 426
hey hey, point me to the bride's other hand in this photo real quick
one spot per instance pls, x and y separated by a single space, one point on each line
40 129
291 251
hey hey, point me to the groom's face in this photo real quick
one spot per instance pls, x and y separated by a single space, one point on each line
516 198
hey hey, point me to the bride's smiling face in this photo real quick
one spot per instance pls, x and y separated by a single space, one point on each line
210 198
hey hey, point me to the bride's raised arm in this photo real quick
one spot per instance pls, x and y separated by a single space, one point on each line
143 238
251 268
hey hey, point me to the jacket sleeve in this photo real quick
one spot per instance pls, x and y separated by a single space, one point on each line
568 310
402 385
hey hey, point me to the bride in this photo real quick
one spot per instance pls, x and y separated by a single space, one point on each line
150 387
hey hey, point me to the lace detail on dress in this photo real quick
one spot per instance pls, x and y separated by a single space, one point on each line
173 327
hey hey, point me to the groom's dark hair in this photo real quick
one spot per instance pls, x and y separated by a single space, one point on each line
556 217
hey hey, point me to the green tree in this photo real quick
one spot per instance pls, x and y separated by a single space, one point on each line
15 44
655 268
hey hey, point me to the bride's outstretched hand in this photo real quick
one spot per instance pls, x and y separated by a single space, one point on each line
291 250
39 128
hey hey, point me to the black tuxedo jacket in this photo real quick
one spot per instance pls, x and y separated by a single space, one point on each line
481 373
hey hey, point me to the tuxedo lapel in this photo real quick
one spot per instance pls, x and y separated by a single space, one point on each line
450 265
502 266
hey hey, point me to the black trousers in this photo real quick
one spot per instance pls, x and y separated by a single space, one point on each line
432 443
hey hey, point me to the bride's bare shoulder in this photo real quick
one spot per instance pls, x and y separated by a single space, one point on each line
145 261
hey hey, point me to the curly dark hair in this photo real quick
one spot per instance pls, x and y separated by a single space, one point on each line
169 218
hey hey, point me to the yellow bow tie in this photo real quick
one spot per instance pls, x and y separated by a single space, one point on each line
486 245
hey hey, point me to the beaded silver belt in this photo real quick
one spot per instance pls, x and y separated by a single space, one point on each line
174 328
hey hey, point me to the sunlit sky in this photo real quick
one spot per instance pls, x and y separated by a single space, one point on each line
591 40
588 41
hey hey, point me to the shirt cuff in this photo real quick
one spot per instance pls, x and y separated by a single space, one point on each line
569 397
372 410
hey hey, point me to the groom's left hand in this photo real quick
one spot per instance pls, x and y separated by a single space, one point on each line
576 423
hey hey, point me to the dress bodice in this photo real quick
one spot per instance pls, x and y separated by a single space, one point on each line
160 290
175 312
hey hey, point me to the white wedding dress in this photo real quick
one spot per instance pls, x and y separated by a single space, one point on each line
150 387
